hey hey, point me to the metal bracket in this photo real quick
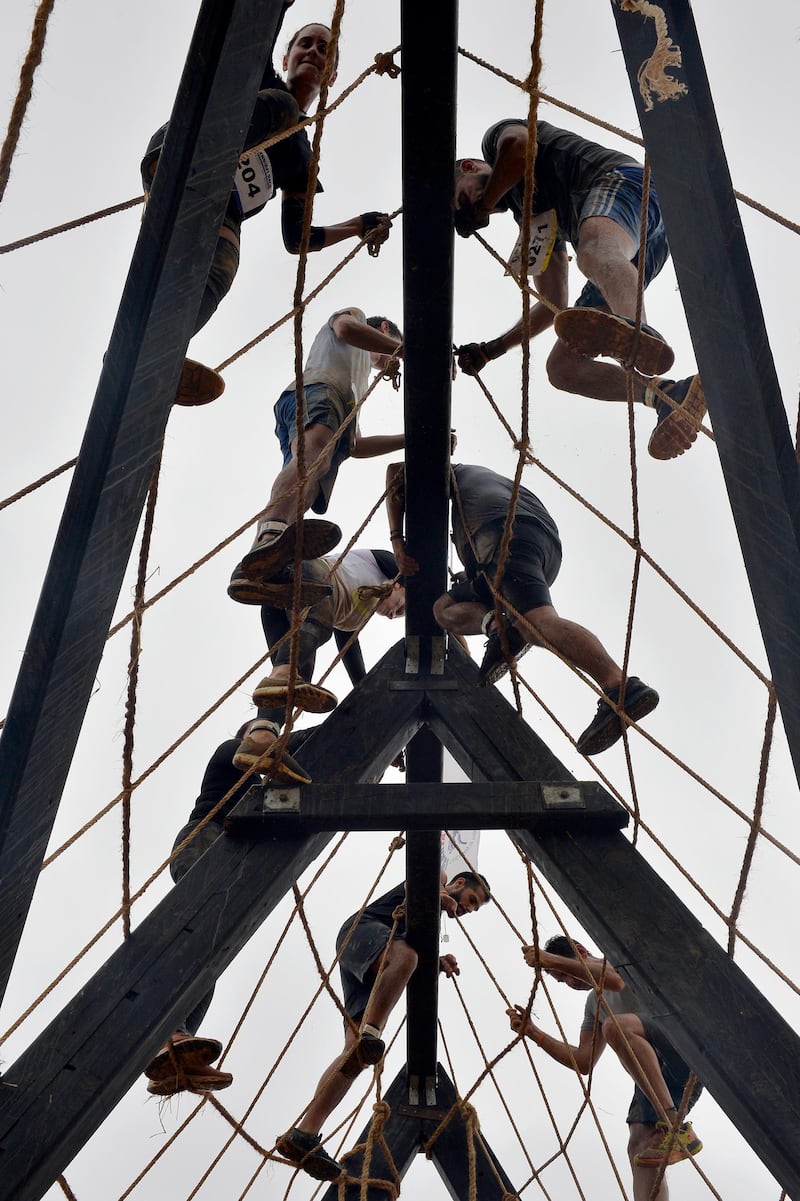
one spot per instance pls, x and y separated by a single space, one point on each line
563 796
281 800
412 654
424 1097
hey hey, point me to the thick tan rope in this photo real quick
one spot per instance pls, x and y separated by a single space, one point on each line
19 108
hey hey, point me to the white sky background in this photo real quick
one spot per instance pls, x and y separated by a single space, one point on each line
108 80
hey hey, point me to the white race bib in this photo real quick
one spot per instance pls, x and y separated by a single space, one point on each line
544 228
253 182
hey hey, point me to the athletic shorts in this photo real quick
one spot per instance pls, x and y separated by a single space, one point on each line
324 406
618 195
221 275
364 948
534 561
674 1071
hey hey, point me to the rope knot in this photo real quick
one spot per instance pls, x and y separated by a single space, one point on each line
385 64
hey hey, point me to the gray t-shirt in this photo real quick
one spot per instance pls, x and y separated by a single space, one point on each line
623 1001
331 361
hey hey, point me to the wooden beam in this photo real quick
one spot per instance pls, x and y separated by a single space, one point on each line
407 1132
64 1085
123 437
269 810
730 339
430 56
423 919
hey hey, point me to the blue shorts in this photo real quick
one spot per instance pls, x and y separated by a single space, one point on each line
324 406
618 195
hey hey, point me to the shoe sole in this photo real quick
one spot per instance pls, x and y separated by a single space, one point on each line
190 1082
319 537
501 669
308 697
677 1155
318 1169
678 431
591 332
191 1053
198 385
246 591
283 769
606 737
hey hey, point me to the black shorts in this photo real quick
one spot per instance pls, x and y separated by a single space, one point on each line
674 1071
364 949
534 561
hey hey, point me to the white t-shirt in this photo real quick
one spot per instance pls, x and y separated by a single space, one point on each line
356 569
332 361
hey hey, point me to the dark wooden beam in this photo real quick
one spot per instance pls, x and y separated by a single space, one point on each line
423 919
742 1049
64 1085
407 1132
430 58
730 339
270 810
123 437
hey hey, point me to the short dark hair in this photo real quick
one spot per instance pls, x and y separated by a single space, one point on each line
377 322
476 880
559 944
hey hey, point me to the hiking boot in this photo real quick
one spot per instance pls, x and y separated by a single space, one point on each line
668 1148
199 1079
307 1152
676 428
368 1051
191 1052
312 698
606 729
277 593
198 385
282 767
494 664
593 332
275 542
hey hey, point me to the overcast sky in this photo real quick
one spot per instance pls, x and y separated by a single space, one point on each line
108 79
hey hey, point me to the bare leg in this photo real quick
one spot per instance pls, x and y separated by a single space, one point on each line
604 257
333 1086
283 498
644 1177
459 617
626 1036
575 373
579 646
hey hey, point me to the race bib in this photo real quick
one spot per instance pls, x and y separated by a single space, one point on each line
253 183
544 228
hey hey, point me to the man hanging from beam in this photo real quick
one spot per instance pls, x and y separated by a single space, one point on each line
260 173
521 615
591 197
664 1085
334 383
376 963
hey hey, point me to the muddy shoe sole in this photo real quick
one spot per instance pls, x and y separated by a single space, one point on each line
591 332
319 537
309 697
677 429
198 385
247 591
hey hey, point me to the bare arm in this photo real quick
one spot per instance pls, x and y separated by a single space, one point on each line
553 285
377 444
293 207
364 337
590 968
583 1057
509 167
395 511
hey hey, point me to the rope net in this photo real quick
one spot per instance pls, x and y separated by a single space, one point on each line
706 780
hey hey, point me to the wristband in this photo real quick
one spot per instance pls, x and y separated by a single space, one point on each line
395 534
494 349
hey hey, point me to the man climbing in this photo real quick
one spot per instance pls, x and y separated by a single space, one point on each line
376 963
480 503
591 197
660 1076
185 1061
261 172
335 377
